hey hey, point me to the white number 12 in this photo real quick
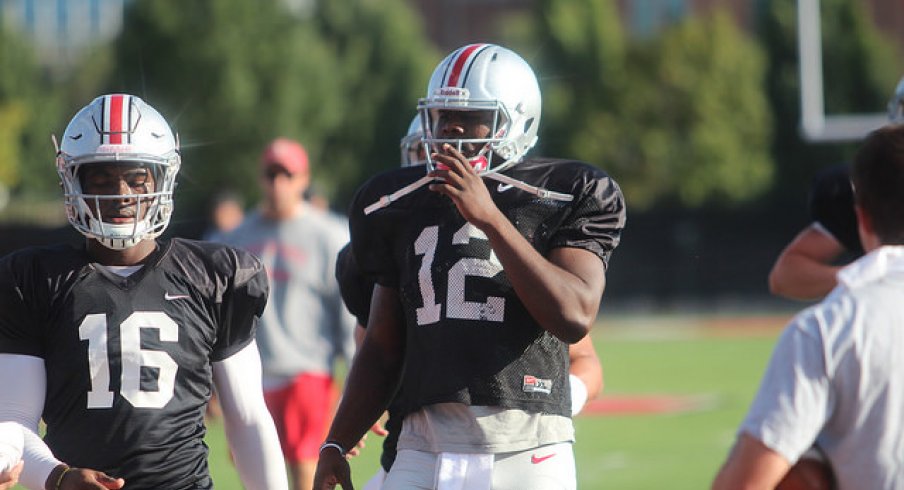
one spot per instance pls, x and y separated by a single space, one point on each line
493 309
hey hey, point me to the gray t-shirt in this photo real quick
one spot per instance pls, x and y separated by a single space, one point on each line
305 325
836 378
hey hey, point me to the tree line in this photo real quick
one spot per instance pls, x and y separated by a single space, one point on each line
701 113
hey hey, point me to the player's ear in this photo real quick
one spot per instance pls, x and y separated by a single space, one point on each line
865 228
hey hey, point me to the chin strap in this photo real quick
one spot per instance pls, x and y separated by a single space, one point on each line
388 199
524 186
404 191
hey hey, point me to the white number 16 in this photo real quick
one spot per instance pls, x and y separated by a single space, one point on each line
94 330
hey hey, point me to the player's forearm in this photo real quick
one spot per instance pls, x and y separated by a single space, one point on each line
257 455
799 277
368 390
26 380
560 301
585 364
40 464
249 428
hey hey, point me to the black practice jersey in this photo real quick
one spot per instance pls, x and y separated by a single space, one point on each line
832 206
128 359
469 339
357 290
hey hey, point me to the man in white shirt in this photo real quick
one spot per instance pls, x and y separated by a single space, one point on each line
834 380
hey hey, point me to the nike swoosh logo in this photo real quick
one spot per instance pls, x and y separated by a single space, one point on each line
503 187
171 297
535 460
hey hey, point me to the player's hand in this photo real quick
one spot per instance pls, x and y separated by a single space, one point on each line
358 447
460 182
378 429
88 479
332 470
10 477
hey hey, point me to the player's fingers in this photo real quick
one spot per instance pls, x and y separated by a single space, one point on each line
460 159
356 449
17 469
379 430
447 176
111 483
455 160
447 190
439 173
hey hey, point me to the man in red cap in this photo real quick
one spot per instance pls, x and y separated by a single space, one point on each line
304 326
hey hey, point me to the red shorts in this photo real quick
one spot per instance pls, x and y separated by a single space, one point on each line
302 412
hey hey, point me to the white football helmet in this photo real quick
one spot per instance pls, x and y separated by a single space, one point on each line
485 77
896 104
412 144
119 128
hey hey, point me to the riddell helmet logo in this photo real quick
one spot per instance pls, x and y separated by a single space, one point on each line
452 92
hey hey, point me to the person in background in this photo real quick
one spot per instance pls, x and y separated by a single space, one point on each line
834 380
488 265
807 267
304 328
118 343
226 214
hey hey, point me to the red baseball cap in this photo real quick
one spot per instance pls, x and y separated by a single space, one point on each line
286 153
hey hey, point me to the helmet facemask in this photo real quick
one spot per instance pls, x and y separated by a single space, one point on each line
151 209
412 144
490 154
896 105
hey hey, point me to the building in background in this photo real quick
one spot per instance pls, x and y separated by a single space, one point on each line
449 22
62 30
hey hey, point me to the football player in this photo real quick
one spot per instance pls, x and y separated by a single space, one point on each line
586 374
806 268
119 343
484 277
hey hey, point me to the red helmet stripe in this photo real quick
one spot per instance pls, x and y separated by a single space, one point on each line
115 128
458 65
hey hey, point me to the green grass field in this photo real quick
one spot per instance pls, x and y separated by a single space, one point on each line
718 359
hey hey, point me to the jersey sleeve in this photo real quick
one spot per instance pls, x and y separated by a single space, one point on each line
832 206
19 323
243 302
356 290
371 234
597 217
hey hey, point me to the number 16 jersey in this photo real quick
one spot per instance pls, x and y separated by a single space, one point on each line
128 359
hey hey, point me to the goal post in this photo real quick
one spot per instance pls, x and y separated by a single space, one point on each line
815 125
